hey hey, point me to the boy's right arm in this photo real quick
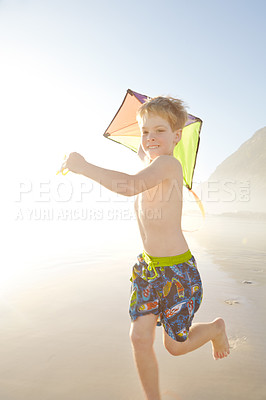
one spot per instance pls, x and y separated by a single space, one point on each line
163 167
118 182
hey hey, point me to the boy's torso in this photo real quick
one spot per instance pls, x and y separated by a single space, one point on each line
158 212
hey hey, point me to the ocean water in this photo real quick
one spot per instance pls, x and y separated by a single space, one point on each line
33 244
237 244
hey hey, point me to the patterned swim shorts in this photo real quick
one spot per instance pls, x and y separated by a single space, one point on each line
169 287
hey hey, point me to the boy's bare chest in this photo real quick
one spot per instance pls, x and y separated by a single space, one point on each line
155 197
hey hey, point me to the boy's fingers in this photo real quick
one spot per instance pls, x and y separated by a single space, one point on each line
63 167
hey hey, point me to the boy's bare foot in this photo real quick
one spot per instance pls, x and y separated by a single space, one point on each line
220 344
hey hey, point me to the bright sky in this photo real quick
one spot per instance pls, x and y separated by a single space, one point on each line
65 68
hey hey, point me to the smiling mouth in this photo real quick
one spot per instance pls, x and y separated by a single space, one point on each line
152 147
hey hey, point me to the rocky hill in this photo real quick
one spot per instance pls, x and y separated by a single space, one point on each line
238 185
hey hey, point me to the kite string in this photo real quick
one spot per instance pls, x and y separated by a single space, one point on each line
199 203
201 209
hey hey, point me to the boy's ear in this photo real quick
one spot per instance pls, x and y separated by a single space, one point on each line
178 135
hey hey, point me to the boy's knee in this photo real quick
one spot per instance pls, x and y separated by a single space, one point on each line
141 340
175 349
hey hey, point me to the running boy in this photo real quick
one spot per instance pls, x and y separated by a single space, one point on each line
166 284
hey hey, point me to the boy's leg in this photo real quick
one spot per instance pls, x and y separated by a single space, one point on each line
199 334
142 334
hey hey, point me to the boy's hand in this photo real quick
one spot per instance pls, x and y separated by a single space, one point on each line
75 163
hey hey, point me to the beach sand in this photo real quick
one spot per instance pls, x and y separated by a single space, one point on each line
64 318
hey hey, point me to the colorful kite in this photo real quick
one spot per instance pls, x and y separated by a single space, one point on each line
124 129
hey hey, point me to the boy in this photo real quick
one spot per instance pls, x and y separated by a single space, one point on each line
165 281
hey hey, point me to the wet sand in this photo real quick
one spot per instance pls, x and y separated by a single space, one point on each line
61 339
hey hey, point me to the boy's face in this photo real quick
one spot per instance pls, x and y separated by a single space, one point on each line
157 137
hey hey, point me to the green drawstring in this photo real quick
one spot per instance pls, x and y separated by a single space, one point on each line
151 265
161 262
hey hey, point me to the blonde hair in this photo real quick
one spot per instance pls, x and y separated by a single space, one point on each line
172 110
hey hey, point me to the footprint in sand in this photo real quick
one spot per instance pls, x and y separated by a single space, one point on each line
235 342
170 395
231 302
257 270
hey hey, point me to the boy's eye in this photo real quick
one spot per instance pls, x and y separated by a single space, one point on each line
157 131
